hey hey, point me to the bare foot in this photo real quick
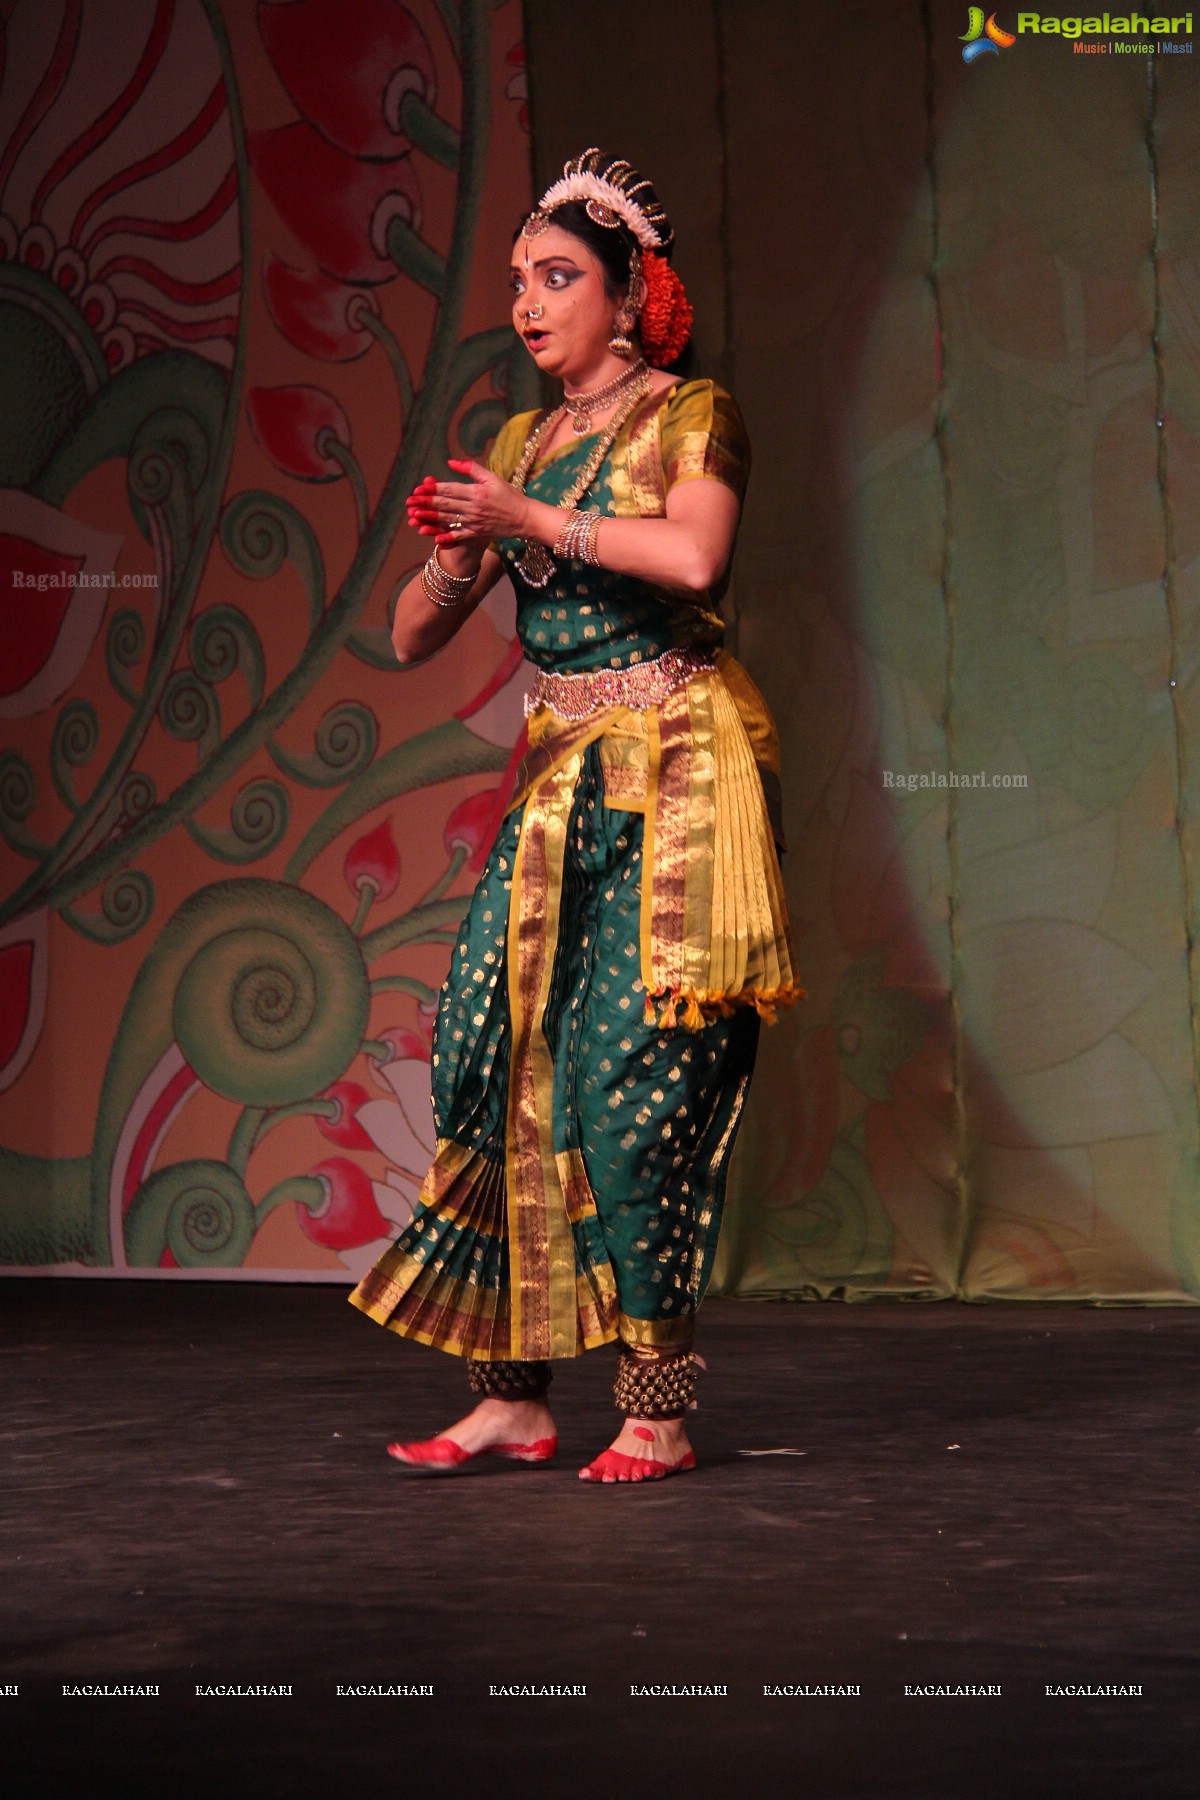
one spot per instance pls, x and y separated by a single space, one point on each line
644 1442
501 1422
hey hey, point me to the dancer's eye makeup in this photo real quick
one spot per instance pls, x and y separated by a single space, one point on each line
558 275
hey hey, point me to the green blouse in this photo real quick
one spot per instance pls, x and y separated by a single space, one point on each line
586 617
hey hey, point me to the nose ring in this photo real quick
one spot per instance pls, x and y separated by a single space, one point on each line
534 312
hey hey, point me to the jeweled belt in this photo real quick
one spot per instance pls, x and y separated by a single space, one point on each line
590 691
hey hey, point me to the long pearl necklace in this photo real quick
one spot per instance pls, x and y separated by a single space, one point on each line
535 564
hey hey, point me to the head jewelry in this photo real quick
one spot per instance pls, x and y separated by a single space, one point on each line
611 199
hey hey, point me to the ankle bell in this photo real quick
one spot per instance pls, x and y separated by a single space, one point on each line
655 1384
509 1380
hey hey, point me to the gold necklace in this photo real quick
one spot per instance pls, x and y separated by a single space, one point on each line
585 401
535 565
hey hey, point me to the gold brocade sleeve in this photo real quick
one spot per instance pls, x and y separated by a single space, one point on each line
703 437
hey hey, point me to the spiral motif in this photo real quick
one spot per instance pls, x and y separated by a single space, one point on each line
346 737
259 815
153 473
189 709
223 641
127 901
138 796
123 650
127 638
18 788
1107 715
76 734
169 458
254 534
273 1006
258 821
199 1210
346 740
259 530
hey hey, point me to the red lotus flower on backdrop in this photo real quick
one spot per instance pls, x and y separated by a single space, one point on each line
350 1215
292 425
373 862
517 86
343 1128
337 207
320 316
342 172
400 1127
471 827
348 65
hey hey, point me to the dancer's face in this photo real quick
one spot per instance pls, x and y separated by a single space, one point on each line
557 273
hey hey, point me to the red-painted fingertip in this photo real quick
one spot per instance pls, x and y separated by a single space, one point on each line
453 462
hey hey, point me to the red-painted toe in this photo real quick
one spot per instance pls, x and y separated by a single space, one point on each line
434 1453
614 1465
442 1453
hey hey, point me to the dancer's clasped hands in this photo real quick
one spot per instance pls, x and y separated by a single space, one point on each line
460 513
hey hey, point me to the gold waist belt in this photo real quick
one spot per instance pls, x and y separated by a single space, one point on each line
592 691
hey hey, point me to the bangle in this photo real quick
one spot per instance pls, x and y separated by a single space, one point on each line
577 539
440 586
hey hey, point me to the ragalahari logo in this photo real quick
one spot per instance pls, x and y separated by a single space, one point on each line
982 39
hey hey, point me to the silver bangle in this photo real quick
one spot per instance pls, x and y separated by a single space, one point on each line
440 586
577 539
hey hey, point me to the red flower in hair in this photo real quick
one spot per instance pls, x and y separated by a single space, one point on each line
665 321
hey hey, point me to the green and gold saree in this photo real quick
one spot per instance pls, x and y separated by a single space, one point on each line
597 1031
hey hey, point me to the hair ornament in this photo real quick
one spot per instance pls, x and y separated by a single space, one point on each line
665 319
601 214
608 199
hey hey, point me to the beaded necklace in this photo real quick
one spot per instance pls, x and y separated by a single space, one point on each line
585 401
535 565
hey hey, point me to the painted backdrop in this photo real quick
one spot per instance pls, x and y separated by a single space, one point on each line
252 286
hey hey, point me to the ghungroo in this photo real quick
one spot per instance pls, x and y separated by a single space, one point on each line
509 1380
655 1384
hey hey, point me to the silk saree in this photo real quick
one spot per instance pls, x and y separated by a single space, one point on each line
597 1031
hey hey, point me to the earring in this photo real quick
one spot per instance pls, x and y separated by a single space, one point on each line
619 343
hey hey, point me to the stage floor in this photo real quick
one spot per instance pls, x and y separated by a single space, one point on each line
196 1493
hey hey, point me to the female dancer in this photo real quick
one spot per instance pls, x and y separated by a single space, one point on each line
597 1031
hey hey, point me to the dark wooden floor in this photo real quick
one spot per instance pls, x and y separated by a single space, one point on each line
195 1491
